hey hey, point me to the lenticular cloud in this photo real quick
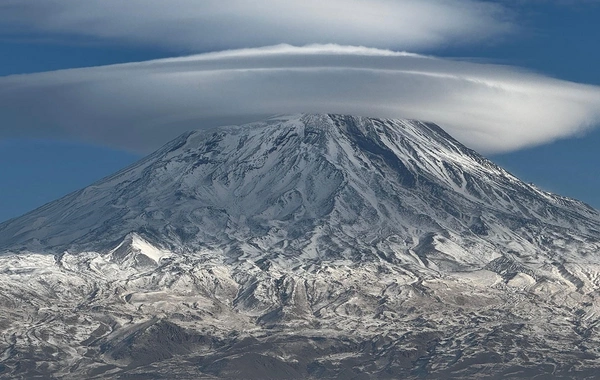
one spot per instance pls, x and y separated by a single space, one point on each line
138 106
210 25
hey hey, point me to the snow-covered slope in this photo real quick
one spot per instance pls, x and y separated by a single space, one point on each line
383 247
313 187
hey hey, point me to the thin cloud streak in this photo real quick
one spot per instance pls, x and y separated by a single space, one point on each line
138 106
210 25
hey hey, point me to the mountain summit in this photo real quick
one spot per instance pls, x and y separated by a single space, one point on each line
311 187
332 245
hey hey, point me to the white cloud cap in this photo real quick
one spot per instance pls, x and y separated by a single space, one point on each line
207 25
139 106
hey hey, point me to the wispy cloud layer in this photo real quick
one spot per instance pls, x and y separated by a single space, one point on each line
206 25
138 106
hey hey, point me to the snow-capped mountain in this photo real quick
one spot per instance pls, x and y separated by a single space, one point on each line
313 187
322 246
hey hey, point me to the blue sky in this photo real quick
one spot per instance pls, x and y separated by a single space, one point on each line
43 157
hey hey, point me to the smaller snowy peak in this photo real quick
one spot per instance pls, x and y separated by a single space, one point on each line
136 252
